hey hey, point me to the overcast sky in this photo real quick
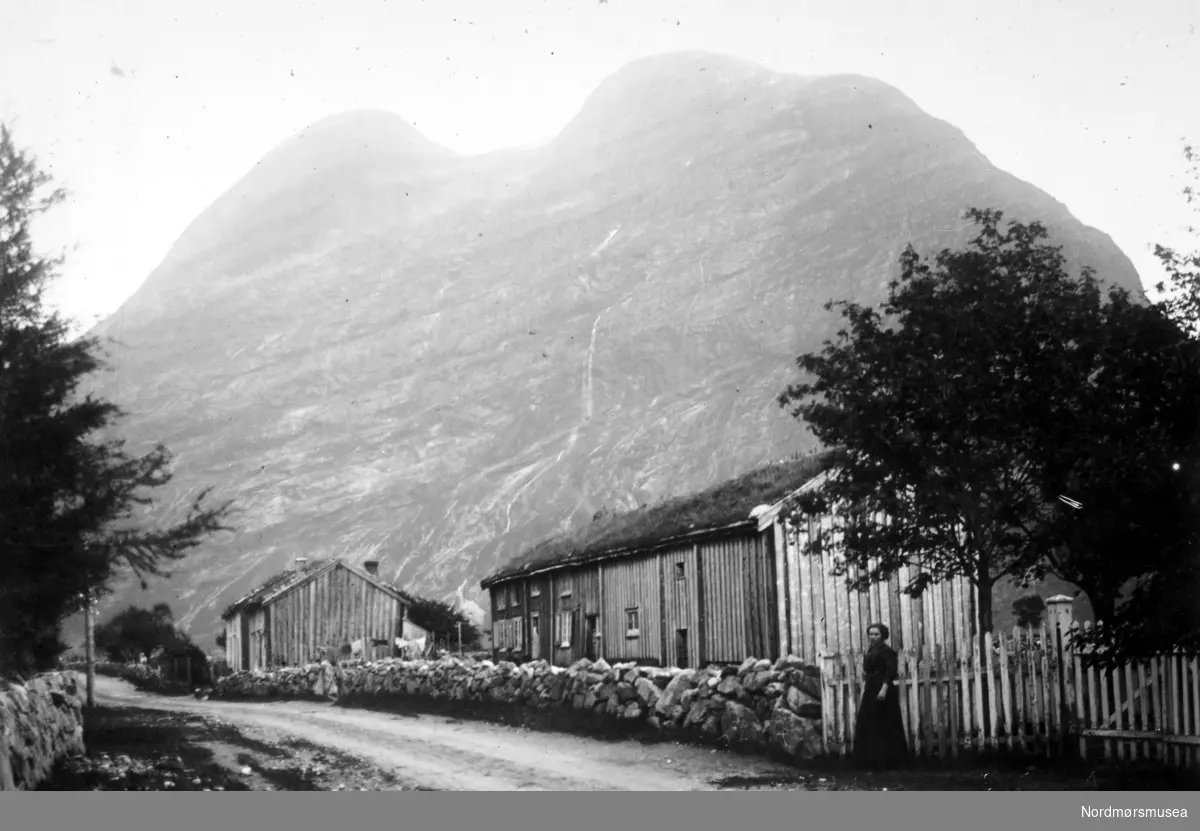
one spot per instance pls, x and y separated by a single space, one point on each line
147 110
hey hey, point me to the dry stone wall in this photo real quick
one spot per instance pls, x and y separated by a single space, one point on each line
756 706
41 722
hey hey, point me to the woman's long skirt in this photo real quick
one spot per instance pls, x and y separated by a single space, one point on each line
879 741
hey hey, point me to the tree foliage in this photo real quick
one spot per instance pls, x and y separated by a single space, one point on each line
441 620
1029 610
1160 610
990 383
134 632
1182 286
70 498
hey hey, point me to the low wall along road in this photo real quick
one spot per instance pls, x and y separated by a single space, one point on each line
757 706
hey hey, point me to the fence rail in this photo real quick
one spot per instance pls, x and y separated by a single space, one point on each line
1028 691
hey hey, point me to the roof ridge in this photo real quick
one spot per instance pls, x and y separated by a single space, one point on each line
713 508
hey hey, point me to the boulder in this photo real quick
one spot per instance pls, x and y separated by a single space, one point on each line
803 704
797 736
741 725
648 694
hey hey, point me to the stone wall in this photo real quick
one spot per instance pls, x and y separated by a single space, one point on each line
757 706
41 722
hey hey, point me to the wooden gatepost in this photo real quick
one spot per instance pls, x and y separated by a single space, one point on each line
1060 618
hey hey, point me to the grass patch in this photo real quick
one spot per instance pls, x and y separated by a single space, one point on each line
716 507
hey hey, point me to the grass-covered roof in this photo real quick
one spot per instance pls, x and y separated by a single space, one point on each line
717 507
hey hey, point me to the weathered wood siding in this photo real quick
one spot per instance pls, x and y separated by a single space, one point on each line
509 621
760 590
725 600
575 596
539 615
633 583
316 618
818 615
681 609
258 639
233 643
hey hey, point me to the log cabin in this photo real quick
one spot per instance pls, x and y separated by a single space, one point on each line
320 609
713 577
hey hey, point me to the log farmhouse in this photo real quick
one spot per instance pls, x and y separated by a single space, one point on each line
325 608
713 577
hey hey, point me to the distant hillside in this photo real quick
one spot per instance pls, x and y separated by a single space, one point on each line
381 349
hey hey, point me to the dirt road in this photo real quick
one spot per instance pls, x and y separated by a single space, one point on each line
439 753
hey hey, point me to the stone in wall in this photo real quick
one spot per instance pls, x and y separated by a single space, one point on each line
757 705
41 722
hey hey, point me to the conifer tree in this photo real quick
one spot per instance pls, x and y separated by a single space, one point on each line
70 494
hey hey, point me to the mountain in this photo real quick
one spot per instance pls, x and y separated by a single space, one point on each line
382 349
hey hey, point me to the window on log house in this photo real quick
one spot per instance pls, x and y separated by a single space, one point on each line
631 623
564 628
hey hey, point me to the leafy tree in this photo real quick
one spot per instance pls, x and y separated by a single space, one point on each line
1182 285
68 497
1109 434
441 620
998 382
135 632
1159 611
1029 610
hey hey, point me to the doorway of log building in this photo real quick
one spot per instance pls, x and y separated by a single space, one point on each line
535 636
681 648
590 640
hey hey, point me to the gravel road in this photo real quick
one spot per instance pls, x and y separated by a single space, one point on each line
439 753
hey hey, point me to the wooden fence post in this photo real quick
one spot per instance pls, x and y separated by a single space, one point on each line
828 702
1060 618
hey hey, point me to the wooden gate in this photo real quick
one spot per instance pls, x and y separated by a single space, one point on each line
1027 691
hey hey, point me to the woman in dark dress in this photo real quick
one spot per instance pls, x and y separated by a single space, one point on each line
879 740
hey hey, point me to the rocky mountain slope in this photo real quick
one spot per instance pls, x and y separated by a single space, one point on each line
382 349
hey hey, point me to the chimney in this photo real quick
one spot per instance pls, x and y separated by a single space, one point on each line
300 561
372 567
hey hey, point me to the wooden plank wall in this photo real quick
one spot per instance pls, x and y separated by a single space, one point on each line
233 643
762 599
821 616
725 602
315 619
258 639
681 604
513 605
539 607
633 582
724 599
574 592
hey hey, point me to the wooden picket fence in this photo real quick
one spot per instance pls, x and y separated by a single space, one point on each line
1139 710
1027 692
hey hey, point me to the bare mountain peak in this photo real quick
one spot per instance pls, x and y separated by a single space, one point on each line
450 360
373 129
719 68
697 91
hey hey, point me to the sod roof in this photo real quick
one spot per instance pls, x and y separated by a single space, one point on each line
720 508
